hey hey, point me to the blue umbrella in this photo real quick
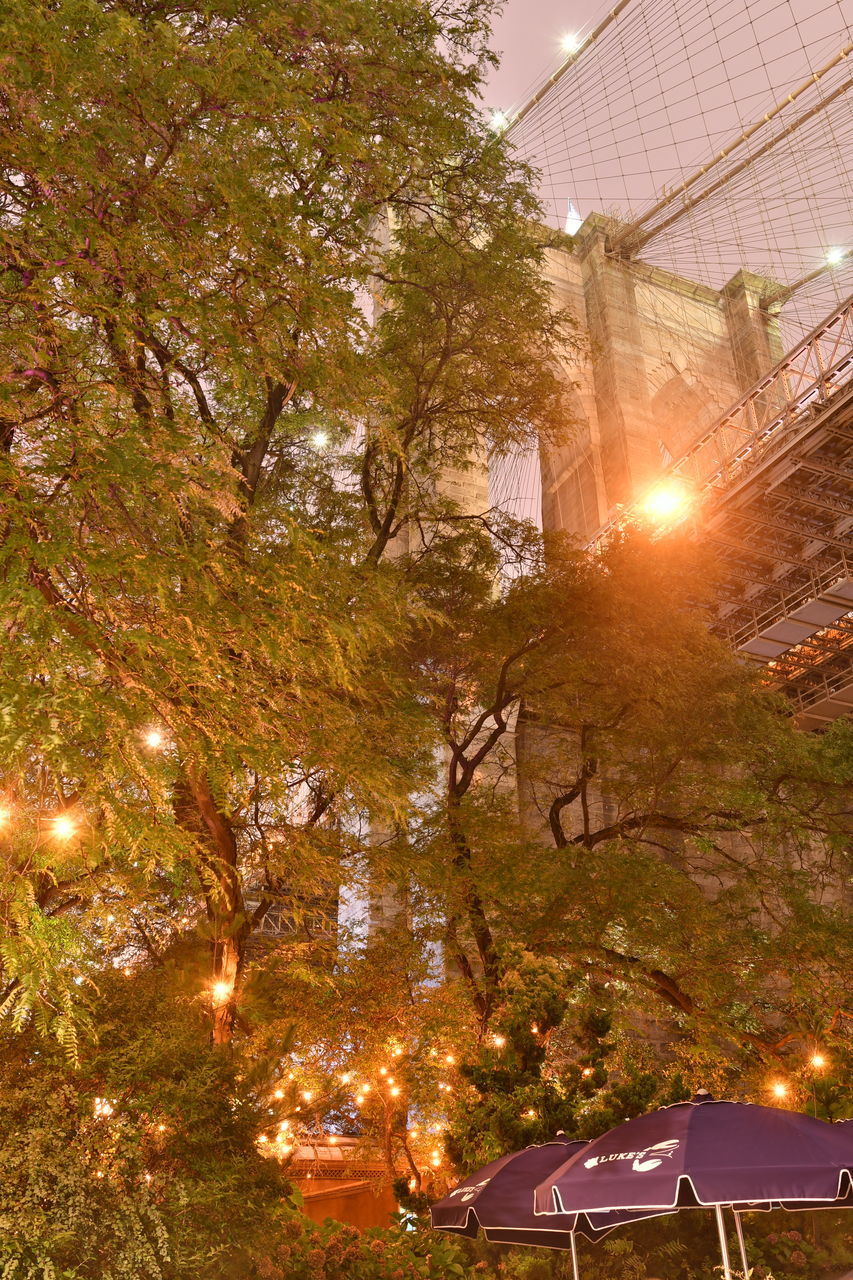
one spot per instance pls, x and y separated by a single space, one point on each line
705 1153
499 1199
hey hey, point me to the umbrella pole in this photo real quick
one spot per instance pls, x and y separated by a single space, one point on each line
741 1242
575 1272
724 1244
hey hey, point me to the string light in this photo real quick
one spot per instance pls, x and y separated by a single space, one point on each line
279 1093
395 1091
818 1060
307 1095
64 826
345 1077
780 1089
154 739
262 1138
499 1041
587 1071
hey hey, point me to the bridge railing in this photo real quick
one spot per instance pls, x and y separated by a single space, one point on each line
764 419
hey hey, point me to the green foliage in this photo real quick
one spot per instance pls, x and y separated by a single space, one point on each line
142 1160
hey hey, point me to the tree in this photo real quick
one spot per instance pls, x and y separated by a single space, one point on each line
197 603
674 824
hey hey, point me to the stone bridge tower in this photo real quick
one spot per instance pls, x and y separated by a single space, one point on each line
666 356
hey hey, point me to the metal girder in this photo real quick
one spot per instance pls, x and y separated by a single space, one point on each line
794 530
812 498
825 468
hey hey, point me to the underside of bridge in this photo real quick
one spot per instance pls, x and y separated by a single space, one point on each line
773 480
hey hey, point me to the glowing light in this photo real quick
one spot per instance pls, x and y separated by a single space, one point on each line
450 1059
383 1071
818 1060
666 503
307 1095
412 1184
345 1077
365 1088
780 1089
262 1138
395 1091
320 439
333 1141
396 1053
64 826
126 972
534 1027
834 256
279 1093
359 1102
587 1071
161 1128
5 815
222 992
499 1041
570 42
498 122
102 1107
148 1178
154 739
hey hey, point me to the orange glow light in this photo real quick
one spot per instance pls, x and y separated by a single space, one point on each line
666 503
64 826
222 992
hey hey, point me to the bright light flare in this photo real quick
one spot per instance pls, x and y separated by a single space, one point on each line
835 255
818 1060
498 122
666 503
320 439
570 42
64 827
5 816
154 739
222 992
780 1090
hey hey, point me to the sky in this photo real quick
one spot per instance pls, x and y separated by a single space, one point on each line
669 84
